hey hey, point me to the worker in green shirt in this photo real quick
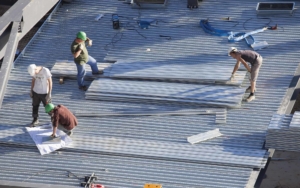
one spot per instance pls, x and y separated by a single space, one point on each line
81 57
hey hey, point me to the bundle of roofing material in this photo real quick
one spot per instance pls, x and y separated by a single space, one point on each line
284 132
65 68
190 72
142 91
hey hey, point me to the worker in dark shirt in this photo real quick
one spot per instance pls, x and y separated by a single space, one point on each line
255 60
61 118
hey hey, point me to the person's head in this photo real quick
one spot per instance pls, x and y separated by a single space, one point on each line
32 69
232 52
81 35
49 108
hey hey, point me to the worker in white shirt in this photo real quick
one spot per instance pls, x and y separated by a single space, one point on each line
41 88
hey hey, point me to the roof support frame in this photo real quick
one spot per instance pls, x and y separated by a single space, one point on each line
9 58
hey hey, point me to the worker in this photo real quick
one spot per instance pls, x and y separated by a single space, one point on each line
81 57
255 60
41 87
62 118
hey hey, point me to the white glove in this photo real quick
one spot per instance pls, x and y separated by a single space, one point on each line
31 94
90 42
232 77
48 97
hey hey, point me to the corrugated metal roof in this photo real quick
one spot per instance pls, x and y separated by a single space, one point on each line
245 128
114 171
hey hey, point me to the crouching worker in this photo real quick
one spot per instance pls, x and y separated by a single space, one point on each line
61 118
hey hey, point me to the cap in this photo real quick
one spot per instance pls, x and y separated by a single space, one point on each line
31 69
231 49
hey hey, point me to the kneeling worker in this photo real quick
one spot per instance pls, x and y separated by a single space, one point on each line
62 118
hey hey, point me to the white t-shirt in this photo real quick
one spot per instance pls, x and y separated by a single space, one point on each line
41 85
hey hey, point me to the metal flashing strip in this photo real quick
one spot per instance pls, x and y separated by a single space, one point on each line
203 136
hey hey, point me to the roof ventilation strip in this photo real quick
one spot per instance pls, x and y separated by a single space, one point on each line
148 4
275 8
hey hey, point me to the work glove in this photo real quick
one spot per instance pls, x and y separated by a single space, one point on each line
232 77
90 42
31 94
48 98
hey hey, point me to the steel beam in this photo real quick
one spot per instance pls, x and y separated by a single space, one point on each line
8 58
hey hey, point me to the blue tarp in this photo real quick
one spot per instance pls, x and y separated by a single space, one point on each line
232 36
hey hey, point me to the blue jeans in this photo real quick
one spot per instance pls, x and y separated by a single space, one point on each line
81 70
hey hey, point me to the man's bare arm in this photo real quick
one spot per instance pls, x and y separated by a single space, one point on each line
245 64
50 84
236 67
76 54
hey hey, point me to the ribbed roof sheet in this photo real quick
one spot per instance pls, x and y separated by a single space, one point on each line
61 168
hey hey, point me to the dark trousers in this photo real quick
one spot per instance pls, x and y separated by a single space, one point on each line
36 100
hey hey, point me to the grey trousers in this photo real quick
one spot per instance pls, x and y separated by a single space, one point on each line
60 127
255 68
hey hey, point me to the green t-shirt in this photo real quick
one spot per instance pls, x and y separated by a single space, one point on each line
83 56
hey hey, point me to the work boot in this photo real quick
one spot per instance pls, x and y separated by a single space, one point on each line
35 122
248 90
69 133
84 88
99 72
251 97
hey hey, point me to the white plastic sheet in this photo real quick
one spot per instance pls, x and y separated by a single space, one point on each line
45 144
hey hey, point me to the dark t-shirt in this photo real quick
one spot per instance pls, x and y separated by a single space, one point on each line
83 56
64 117
249 56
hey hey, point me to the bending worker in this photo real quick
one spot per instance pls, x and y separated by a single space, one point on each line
41 87
244 56
81 57
61 118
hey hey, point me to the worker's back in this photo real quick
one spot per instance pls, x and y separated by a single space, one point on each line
63 116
